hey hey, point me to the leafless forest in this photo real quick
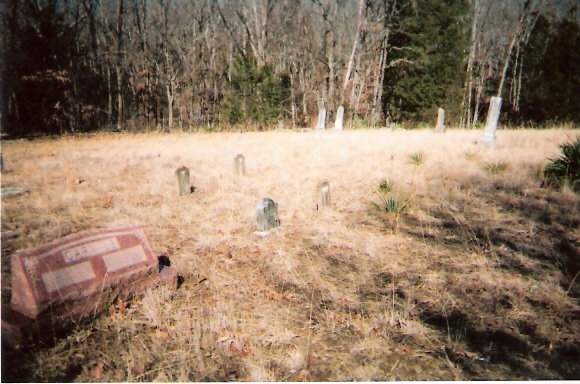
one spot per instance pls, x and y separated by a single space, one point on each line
81 65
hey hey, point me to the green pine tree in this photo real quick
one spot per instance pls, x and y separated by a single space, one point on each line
255 94
428 43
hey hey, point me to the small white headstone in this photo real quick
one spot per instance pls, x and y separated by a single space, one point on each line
440 120
321 123
323 196
488 137
240 165
267 215
339 117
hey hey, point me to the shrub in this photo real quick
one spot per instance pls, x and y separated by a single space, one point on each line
417 158
497 168
565 169
386 186
471 156
393 204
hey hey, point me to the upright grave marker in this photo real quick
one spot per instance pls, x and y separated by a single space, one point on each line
440 120
323 196
321 123
75 277
267 215
240 165
488 137
339 118
183 181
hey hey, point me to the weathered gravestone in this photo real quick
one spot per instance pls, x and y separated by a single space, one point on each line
267 215
323 196
488 137
183 181
78 276
339 118
440 120
321 123
240 165
11 191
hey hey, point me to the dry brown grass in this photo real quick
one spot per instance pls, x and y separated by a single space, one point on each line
478 269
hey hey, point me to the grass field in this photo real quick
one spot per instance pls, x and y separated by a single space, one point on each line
473 279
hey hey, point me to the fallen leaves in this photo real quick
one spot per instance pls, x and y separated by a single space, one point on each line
162 335
97 371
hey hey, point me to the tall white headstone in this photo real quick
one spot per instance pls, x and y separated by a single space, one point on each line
321 123
339 118
440 120
488 137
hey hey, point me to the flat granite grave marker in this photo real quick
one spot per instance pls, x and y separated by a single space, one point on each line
76 277
339 118
240 165
323 196
321 123
183 181
267 215
488 137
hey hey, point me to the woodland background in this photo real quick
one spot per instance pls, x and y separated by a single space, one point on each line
73 66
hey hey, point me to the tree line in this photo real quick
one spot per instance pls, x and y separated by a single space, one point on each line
135 65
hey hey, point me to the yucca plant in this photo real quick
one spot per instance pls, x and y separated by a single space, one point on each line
565 169
417 158
386 186
471 156
497 168
394 205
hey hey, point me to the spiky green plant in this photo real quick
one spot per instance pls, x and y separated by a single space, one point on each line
392 204
471 156
566 168
386 186
417 158
497 168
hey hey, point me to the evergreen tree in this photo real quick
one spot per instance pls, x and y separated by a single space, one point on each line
255 93
427 52
551 79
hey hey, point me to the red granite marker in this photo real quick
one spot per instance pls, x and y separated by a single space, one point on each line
80 275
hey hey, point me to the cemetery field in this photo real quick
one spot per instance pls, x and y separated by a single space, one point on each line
472 275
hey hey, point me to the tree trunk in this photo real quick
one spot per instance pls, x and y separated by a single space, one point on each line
118 65
506 64
378 88
354 45
467 101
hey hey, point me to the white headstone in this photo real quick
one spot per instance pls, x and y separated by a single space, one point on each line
488 137
323 196
240 165
321 123
267 215
339 117
440 120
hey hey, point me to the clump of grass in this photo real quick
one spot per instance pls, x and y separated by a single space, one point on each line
471 156
386 186
497 168
423 125
395 204
390 202
565 169
417 158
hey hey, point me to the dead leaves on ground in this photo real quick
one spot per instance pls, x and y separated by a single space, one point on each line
97 371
